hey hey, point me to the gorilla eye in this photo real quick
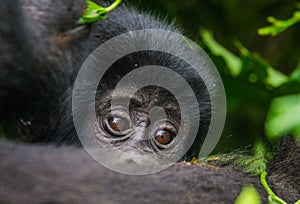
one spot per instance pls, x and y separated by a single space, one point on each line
117 125
164 137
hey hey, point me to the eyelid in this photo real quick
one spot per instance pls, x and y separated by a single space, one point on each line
162 146
167 126
119 111
116 113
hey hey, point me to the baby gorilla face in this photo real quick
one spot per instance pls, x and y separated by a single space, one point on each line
143 130
149 125
149 109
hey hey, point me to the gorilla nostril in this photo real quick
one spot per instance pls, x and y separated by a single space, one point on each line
130 161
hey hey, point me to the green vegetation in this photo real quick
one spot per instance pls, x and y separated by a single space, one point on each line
279 26
272 197
248 195
94 12
283 100
282 91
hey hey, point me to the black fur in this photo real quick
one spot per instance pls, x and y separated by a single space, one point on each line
44 174
40 55
47 174
50 50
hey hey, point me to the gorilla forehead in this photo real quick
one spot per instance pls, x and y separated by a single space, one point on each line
143 100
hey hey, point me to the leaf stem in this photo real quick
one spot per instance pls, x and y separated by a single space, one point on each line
113 6
271 195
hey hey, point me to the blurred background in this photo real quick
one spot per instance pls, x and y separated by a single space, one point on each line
235 19
260 107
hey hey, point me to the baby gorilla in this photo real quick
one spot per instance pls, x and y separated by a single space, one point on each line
43 50
150 128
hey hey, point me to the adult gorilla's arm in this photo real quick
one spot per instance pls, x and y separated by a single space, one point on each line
47 174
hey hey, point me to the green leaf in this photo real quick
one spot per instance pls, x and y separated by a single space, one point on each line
275 78
295 75
248 195
249 66
278 26
233 62
283 116
256 66
94 12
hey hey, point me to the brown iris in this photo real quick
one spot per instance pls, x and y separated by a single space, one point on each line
163 137
118 124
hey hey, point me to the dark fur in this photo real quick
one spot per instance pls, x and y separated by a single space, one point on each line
49 56
39 59
45 174
285 170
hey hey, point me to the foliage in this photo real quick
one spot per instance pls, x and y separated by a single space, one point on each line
272 197
253 165
248 195
278 26
94 12
283 116
283 91
283 101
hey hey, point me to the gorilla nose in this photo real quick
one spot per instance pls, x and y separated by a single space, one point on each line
130 161
130 157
